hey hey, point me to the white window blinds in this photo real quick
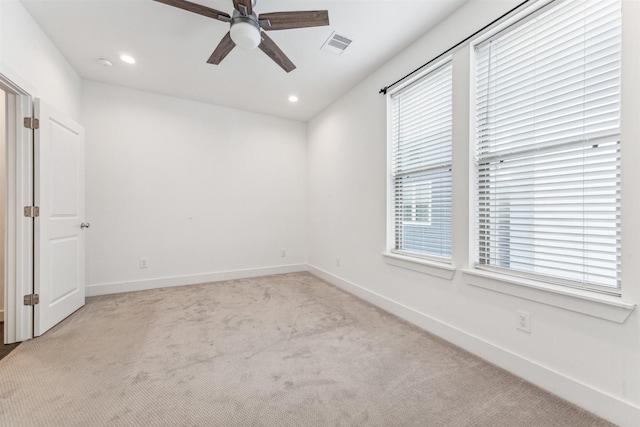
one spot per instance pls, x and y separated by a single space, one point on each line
548 146
421 132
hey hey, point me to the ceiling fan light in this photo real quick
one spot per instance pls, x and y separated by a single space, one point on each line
245 35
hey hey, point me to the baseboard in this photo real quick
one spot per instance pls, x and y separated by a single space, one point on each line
166 282
600 403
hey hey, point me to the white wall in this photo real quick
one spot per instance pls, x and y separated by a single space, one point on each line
588 360
30 60
197 189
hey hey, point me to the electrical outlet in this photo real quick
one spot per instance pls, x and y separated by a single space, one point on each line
283 252
144 262
523 321
337 261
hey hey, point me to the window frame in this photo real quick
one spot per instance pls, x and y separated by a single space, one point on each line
502 278
426 263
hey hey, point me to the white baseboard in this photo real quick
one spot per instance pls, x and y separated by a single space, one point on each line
166 282
600 403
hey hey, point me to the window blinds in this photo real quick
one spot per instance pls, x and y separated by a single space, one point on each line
548 146
421 129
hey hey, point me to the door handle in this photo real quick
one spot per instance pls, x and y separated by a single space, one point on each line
85 225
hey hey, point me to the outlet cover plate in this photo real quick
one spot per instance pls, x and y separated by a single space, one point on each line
523 321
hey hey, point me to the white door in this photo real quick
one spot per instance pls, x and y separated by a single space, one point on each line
59 238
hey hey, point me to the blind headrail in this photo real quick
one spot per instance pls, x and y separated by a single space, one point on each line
385 89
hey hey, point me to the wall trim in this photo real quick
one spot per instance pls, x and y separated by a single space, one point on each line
607 307
597 401
426 266
192 279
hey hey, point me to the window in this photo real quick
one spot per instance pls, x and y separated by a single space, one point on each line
548 147
421 165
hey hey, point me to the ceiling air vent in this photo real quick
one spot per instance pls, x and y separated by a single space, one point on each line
336 43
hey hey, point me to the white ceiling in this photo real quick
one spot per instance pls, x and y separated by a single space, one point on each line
171 47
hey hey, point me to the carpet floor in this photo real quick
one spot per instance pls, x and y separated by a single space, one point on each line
285 350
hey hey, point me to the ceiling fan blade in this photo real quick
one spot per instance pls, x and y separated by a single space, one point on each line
289 20
246 3
197 8
225 46
272 50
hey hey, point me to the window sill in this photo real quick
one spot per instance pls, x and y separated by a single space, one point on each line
605 307
425 266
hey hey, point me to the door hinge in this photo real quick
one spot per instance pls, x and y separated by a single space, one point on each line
31 211
31 299
31 123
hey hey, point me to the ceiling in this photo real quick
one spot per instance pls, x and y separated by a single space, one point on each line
171 47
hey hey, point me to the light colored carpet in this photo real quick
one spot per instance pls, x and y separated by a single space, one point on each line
286 350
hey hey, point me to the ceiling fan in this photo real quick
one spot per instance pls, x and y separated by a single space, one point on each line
247 29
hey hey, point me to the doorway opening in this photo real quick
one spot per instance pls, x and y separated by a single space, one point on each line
3 182
44 241
16 235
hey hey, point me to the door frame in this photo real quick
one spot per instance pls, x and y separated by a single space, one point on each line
19 244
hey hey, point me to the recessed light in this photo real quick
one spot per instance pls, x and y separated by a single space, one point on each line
105 62
293 98
128 59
